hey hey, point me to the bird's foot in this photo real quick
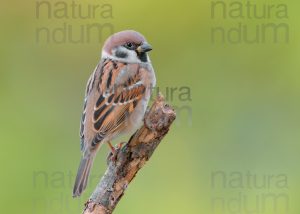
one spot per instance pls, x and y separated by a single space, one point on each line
113 154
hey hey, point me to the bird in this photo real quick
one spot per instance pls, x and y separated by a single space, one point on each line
116 97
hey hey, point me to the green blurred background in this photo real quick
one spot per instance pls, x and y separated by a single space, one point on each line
243 116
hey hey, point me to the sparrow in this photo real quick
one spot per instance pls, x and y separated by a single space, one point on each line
116 97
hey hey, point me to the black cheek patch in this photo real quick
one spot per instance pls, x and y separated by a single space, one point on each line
121 54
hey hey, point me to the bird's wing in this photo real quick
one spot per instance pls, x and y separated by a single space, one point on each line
117 100
88 90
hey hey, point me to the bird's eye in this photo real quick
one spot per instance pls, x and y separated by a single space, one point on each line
130 46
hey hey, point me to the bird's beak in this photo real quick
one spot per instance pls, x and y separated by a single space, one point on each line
143 48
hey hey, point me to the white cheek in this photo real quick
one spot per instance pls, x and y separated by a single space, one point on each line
131 55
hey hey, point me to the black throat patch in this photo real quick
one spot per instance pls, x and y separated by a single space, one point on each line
142 56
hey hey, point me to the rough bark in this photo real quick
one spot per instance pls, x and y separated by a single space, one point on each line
130 159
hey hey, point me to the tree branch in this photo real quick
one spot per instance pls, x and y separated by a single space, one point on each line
130 159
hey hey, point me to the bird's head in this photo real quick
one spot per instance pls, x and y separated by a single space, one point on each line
129 46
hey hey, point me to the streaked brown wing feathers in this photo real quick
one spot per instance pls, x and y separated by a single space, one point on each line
115 104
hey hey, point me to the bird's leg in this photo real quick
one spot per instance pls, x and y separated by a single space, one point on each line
112 148
112 156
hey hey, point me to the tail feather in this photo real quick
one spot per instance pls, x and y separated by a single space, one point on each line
82 175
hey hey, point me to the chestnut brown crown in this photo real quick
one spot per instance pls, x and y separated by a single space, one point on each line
129 38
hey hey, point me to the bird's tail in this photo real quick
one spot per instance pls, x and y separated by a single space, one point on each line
83 174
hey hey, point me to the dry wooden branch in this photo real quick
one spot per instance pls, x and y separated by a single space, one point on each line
130 159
